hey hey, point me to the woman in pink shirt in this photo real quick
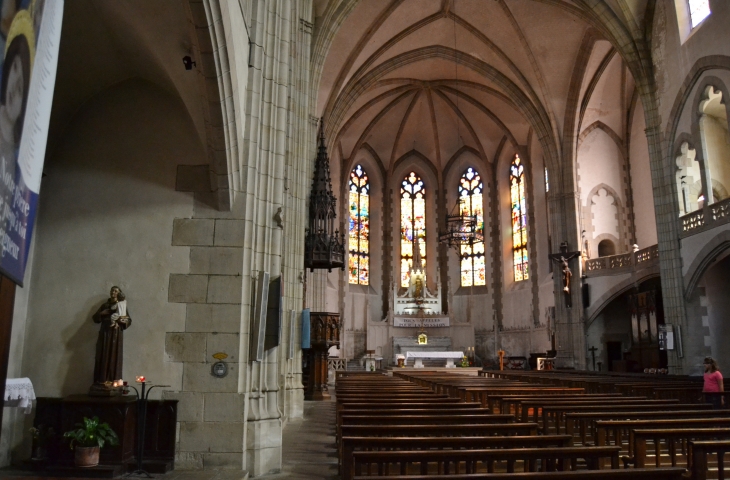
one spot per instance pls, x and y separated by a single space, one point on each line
713 384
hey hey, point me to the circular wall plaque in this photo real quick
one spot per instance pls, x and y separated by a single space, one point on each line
219 369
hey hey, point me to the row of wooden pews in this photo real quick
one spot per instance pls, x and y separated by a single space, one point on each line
424 425
678 430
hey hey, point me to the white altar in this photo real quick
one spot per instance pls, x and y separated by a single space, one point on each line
419 356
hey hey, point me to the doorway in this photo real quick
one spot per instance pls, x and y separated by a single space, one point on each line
613 350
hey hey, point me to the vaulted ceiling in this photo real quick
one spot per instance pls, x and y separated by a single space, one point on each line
438 75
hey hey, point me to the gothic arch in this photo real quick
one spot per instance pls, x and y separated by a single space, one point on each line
415 161
607 130
711 62
218 106
700 95
704 260
370 160
621 217
612 294
453 169
409 157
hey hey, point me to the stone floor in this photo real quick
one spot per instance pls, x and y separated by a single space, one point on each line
309 451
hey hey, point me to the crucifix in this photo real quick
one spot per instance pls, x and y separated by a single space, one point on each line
563 258
501 359
593 354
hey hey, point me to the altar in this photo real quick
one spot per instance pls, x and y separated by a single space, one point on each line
417 322
419 356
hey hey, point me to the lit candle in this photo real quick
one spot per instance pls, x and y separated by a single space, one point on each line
140 379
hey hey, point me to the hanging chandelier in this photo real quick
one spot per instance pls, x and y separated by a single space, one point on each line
324 246
461 229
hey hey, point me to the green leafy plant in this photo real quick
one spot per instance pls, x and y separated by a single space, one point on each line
91 433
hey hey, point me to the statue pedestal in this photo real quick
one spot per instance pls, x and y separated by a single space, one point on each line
103 390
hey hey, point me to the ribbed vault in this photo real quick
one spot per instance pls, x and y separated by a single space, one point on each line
437 76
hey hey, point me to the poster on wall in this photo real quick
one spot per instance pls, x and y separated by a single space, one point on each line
30 34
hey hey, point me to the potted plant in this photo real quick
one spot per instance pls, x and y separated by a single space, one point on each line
88 438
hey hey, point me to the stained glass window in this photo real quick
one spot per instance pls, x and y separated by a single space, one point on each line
547 181
359 231
698 11
519 219
470 203
412 222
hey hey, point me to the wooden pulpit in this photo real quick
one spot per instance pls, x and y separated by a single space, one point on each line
325 333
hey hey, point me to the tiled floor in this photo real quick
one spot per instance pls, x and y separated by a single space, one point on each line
309 451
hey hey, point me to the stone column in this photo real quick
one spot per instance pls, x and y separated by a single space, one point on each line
263 161
667 215
569 326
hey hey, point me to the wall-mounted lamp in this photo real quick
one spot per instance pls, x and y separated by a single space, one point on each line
188 62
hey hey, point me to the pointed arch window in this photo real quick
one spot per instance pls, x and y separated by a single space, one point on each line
412 222
519 219
359 230
471 203
698 11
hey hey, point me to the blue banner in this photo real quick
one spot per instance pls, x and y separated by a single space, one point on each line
30 34
306 327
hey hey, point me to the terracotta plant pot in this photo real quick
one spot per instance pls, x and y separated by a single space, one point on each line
86 456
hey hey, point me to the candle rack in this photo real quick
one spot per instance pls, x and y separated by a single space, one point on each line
141 425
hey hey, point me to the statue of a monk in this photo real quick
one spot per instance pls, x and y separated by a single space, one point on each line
114 318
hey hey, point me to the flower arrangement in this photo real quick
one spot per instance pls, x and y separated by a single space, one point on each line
42 434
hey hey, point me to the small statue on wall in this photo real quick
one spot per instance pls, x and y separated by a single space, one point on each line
113 316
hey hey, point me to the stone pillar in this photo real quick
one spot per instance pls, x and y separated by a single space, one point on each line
495 247
667 214
569 326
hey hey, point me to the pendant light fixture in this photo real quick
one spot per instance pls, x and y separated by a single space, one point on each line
324 246
461 227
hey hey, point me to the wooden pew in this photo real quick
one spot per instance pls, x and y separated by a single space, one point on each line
468 461
529 409
445 418
353 444
617 430
456 409
633 474
391 401
670 436
482 394
510 402
454 431
427 419
586 420
701 450
392 430
555 412
558 412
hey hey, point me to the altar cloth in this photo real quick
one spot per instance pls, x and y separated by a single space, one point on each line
19 393
434 354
